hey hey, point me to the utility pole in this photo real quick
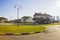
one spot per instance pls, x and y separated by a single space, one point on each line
18 7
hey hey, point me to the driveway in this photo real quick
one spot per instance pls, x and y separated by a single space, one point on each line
52 34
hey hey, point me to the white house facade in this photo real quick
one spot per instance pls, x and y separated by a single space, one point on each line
27 19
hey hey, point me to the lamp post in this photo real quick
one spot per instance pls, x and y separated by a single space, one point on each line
18 7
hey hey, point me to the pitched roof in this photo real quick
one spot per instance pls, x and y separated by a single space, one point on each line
26 17
40 14
3 18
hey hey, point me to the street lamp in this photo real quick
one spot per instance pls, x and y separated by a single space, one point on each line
18 7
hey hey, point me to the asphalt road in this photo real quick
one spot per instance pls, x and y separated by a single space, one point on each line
52 34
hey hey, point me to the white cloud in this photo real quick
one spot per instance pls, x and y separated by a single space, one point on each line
58 3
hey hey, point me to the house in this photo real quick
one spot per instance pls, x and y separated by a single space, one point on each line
2 19
42 18
27 19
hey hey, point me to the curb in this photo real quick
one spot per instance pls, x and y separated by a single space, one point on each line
24 33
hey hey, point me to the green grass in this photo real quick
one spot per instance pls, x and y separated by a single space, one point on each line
20 29
24 28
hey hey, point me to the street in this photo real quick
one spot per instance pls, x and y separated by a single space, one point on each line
52 34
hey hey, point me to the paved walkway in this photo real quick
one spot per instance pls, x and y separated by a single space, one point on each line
6 24
52 34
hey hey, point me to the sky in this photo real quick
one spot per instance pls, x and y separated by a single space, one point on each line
29 7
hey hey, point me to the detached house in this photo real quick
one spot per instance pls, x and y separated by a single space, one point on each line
27 19
42 18
2 19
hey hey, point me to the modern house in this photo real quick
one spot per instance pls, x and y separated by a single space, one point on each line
27 19
42 18
2 19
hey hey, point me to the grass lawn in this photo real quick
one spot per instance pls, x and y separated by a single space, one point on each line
24 28
21 28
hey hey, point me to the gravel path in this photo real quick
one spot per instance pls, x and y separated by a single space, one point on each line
52 34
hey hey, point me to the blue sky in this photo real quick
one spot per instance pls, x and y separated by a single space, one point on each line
29 7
